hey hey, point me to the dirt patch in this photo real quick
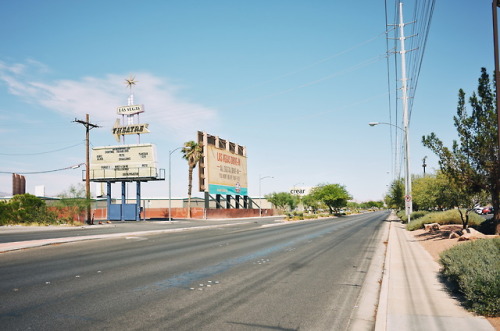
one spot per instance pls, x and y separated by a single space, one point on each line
437 241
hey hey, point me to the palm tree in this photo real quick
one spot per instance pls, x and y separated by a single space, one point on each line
192 152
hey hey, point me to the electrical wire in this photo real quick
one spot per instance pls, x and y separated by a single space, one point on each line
46 152
422 13
42 172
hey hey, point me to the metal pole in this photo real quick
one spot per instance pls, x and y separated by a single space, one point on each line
408 198
260 197
495 4
170 183
87 171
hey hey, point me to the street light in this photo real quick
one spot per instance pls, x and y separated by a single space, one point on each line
260 195
170 183
408 200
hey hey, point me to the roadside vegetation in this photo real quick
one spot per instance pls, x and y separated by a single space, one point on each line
468 178
27 209
419 218
474 270
323 200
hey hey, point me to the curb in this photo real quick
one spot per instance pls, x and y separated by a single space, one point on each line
369 301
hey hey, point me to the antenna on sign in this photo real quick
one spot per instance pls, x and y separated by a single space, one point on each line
130 83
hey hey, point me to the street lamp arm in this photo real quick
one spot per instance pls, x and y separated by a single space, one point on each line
377 123
172 151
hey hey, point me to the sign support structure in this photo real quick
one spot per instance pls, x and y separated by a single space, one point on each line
126 163
223 173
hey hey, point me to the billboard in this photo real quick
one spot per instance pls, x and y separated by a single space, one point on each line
223 167
227 172
123 162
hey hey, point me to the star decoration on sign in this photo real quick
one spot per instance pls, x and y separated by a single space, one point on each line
130 82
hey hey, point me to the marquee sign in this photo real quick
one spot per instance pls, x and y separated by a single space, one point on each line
123 162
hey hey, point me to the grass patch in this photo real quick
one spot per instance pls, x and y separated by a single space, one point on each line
474 268
443 218
413 216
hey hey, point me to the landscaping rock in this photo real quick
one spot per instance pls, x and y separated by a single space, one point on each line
471 234
431 227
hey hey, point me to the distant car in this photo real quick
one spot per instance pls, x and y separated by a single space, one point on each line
487 210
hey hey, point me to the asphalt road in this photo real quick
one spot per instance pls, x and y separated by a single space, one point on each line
298 276
23 233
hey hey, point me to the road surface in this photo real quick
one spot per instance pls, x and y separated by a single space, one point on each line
302 275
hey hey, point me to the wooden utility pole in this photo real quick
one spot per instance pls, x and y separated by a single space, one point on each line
88 126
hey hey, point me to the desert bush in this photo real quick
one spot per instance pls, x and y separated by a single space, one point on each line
443 217
474 268
26 209
413 216
5 212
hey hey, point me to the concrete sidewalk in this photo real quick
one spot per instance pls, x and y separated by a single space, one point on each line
412 297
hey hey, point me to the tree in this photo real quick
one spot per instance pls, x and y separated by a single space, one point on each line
428 192
435 191
311 202
74 201
282 200
371 204
395 198
334 196
472 164
192 152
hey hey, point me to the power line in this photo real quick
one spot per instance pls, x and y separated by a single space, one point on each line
420 27
39 153
42 172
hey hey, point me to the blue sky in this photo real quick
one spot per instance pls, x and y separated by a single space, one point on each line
296 82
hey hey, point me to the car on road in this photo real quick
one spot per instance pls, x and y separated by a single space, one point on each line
487 210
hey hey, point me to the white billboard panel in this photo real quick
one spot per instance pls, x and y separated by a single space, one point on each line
123 162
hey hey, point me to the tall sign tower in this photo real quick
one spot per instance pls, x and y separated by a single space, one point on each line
126 162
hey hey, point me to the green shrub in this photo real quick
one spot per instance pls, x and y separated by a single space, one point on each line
402 215
413 216
26 209
418 214
5 212
443 217
474 268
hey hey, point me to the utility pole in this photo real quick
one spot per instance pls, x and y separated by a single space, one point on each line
408 198
424 165
495 4
88 126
